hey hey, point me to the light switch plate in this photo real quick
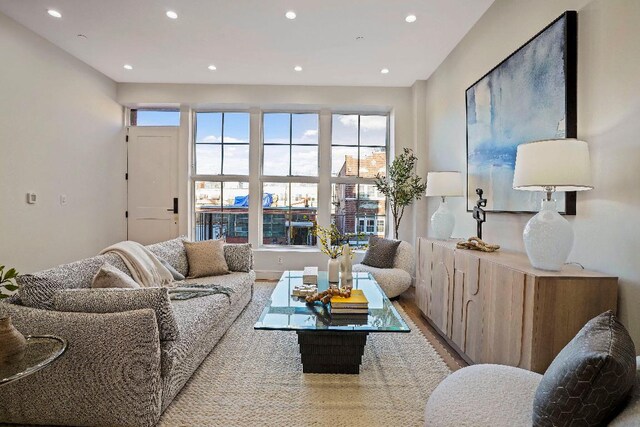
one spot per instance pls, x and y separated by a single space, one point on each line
32 198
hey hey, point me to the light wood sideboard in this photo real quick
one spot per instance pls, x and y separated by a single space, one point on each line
497 308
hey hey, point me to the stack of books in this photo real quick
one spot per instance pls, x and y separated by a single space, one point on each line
357 303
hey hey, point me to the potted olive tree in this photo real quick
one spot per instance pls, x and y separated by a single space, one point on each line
401 185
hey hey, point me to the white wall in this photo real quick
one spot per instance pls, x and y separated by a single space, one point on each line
398 101
60 133
607 235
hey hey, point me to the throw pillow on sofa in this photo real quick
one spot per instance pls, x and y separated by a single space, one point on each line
591 377
174 273
206 258
118 300
239 257
381 253
110 277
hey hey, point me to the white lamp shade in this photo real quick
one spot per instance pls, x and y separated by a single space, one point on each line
560 163
444 184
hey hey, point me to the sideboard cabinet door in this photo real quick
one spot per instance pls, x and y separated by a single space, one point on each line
440 288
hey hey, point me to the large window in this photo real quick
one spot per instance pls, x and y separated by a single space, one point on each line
358 154
294 188
222 143
290 144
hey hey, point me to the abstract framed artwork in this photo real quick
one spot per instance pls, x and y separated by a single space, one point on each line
529 96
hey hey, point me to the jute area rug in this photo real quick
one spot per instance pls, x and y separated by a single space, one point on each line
254 378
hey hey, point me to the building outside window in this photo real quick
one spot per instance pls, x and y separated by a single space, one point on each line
221 193
359 153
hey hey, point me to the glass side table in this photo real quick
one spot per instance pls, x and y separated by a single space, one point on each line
41 351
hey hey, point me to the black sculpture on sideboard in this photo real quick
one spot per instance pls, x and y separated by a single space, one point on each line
478 213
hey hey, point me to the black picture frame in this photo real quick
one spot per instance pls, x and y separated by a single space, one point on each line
571 113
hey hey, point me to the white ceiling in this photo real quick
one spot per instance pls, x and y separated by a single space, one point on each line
251 41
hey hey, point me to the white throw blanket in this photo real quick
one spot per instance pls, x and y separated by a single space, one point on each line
144 266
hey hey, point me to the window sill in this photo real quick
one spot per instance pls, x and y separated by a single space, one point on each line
297 249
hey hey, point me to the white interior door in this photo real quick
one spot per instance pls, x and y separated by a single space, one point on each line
152 184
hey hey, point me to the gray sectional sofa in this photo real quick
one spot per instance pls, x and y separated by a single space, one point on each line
120 368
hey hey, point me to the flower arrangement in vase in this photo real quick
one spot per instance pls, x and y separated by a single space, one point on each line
332 243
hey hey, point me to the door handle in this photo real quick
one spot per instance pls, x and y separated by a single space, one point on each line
175 206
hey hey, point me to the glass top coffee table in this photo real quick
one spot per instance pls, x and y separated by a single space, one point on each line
40 352
329 343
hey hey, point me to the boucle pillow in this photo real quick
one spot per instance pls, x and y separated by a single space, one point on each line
206 258
239 257
591 377
110 277
118 300
381 252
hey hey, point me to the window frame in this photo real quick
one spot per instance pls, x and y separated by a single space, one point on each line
290 145
256 179
334 180
195 143
222 178
288 179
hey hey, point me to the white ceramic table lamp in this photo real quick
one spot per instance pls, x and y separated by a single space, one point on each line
549 166
443 184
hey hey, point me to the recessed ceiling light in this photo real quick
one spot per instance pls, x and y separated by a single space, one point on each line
54 13
171 14
290 14
410 18
385 71
297 68
212 67
82 36
128 67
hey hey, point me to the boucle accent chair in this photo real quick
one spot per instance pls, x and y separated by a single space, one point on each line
118 368
398 279
587 384
500 396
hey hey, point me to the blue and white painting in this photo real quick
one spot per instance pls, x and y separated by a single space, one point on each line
521 100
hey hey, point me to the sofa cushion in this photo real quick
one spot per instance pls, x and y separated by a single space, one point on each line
381 252
206 258
173 252
36 290
591 377
110 277
239 257
195 316
114 300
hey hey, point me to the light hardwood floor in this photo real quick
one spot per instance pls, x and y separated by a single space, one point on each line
449 355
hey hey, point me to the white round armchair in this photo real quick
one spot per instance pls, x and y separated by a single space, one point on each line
396 280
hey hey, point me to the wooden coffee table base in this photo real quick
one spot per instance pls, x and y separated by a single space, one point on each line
331 352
